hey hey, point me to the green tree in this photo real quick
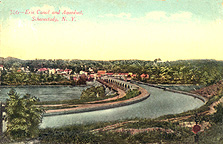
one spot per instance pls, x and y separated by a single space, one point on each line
58 77
16 65
93 92
22 115
82 80
218 116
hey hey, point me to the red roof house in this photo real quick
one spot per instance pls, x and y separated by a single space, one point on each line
42 69
101 72
144 76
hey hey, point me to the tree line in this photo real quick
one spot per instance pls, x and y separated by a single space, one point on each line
19 78
203 72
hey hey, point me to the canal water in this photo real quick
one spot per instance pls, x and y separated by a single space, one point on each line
45 93
158 104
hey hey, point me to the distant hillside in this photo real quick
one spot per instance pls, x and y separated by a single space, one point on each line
9 59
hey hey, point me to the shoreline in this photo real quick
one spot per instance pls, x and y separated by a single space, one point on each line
174 91
39 85
95 107
12 86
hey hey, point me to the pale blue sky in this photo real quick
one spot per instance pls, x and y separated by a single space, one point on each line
203 9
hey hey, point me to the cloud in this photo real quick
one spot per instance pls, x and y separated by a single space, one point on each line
181 16
155 15
121 15
16 24
158 15
218 21
124 15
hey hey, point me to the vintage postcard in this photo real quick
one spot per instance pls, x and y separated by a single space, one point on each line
111 71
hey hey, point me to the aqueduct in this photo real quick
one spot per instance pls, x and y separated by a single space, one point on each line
124 84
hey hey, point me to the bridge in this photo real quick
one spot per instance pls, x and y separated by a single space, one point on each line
125 85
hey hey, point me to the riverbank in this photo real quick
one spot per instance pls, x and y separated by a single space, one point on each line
24 86
64 82
46 85
174 91
101 106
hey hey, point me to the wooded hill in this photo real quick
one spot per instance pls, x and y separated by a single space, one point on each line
203 72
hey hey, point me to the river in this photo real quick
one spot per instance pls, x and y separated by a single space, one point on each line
45 93
158 104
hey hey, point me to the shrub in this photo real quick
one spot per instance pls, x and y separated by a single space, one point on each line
23 116
93 92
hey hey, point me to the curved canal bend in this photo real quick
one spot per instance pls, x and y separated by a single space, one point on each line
158 104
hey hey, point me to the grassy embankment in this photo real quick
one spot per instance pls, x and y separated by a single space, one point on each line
84 134
89 95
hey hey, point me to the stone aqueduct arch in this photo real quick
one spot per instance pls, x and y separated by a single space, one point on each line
123 84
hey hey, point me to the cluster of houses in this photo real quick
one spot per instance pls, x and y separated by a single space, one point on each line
123 76
21 69
90 75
